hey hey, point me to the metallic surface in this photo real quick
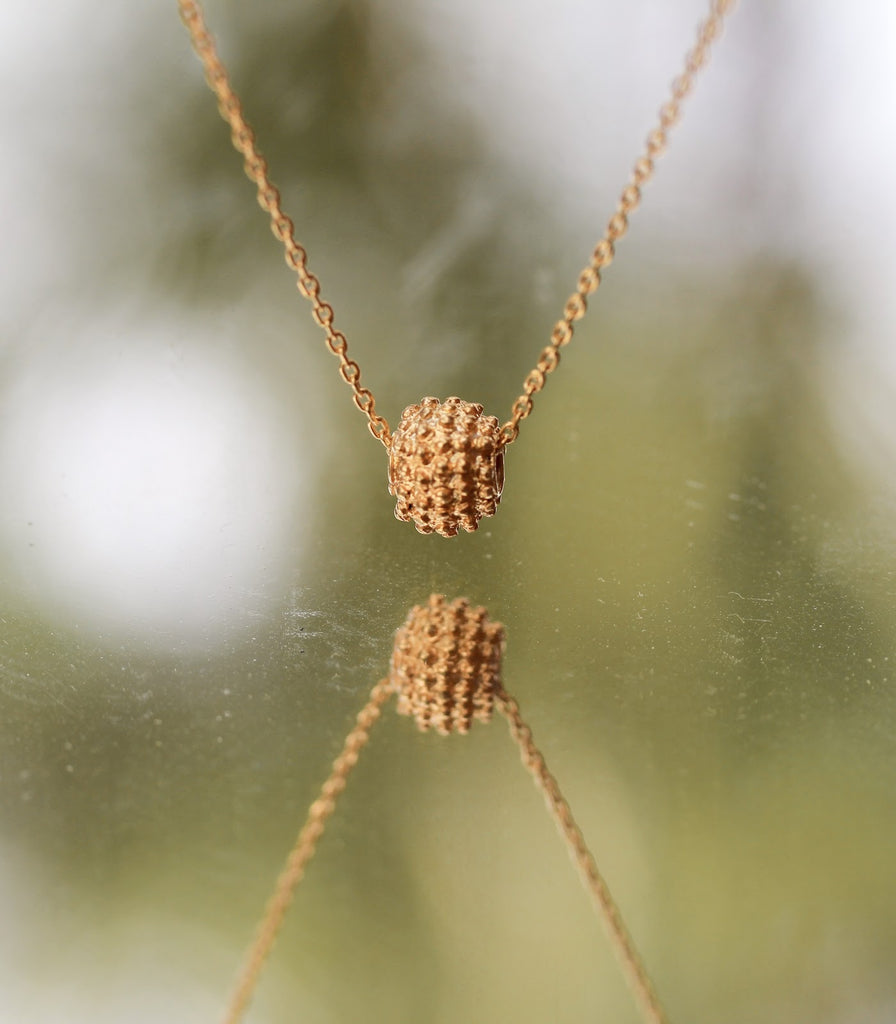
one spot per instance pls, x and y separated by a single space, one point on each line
446 665
446 466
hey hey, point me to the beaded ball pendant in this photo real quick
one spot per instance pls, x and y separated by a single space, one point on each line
446 665
446 466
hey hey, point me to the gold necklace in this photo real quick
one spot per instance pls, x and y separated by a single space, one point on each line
445 672
446 459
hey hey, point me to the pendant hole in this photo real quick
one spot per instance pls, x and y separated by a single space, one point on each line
499 472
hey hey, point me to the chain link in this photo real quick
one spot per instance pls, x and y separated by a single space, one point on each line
605 250
256 168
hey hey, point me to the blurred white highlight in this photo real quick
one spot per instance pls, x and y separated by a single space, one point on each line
146 489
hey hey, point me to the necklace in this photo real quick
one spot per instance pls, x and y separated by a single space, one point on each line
445 672
446 459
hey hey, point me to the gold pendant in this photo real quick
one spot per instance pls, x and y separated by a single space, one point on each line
446 466
446 665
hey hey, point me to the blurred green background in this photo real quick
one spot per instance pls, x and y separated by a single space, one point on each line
694 559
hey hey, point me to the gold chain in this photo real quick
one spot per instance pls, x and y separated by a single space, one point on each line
320 811
445 671
302 852
605 250
256 168
632 966
421 465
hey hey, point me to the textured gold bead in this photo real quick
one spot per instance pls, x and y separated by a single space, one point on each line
446 665
446 466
